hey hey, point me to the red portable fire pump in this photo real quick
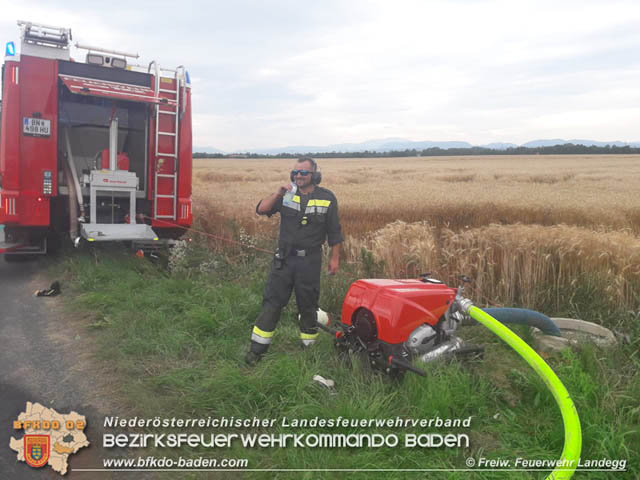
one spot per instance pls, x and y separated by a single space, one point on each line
100 149
396 321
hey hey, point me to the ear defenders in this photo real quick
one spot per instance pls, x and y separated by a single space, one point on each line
316 176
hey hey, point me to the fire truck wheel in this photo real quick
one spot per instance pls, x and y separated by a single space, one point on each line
54 242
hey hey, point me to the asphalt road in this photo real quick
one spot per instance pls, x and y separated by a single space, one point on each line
44 359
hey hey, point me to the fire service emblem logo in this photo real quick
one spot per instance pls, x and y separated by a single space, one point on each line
50 438
37 450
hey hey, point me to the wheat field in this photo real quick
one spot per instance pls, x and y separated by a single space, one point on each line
591 191
524 227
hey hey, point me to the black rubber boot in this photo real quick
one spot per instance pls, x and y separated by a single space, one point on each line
252 358
255 353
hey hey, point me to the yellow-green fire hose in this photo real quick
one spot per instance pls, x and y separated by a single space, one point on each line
568 462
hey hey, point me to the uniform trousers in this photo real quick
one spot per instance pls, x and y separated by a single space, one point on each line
299 274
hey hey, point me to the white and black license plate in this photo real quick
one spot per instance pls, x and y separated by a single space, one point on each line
36 126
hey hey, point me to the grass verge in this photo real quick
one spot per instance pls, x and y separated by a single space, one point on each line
177 342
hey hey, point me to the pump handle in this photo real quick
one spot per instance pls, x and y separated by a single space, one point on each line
396 362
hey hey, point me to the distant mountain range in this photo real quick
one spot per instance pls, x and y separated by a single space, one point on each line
207 150
391 144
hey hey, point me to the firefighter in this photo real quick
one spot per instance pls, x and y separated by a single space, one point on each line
308 217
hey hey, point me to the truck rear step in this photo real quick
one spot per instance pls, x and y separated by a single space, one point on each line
102 232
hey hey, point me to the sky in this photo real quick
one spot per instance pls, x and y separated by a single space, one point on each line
277 73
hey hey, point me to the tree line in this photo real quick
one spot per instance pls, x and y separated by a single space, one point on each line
566 149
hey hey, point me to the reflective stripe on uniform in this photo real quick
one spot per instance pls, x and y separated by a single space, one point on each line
318 210
308 338
260 336
317 206
292 203
314 202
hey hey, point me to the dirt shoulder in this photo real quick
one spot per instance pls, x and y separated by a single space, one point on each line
47 357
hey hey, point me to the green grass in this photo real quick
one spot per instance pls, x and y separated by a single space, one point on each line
177 342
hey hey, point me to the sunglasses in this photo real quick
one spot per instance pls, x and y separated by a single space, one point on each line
301 172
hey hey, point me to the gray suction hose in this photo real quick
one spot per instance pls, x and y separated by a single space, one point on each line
522 316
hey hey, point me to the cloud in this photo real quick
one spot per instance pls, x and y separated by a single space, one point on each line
274 73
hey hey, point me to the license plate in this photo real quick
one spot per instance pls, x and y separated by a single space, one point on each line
37 127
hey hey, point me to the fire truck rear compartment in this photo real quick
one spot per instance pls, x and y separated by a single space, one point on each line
86 121
86 136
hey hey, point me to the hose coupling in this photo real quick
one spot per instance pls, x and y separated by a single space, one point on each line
464 304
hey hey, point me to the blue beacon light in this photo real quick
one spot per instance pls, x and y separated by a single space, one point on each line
10 50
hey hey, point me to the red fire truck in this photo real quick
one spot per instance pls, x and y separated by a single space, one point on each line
99 149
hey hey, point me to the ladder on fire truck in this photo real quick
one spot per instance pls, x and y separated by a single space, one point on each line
167 177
